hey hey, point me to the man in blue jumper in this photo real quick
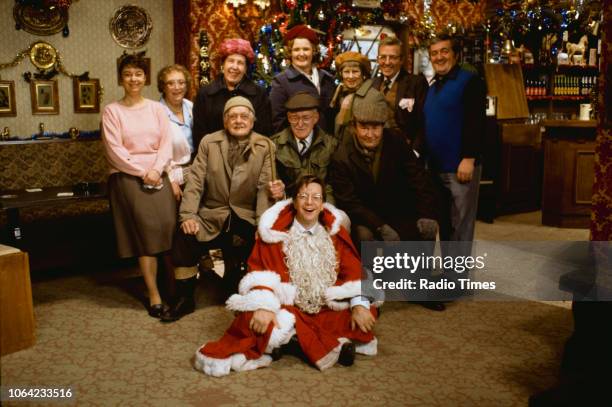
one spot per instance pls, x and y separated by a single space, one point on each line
454 129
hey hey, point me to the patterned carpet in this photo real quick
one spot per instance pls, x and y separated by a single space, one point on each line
93 335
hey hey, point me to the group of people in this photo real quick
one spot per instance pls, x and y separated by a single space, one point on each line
289 185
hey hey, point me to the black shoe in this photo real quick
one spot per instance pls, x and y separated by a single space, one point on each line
185 304
347 354
433 305
292 347
156 310
276 354
183 307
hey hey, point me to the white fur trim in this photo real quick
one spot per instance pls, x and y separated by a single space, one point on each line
263 278
221 367
378 304
267 219
369 348
331 358
253 300
241 364
340 217
283 333
347 290
286 293
212 366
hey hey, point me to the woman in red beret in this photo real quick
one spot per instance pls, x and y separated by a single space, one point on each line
235 55
301 45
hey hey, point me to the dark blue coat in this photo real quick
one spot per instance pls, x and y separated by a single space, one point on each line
291 81
210 101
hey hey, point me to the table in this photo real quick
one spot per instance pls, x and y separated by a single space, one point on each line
14 200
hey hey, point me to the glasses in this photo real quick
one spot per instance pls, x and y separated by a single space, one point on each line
241 116
178 84
295 119
393 58
315 197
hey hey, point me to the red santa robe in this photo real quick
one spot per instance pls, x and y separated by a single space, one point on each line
268 286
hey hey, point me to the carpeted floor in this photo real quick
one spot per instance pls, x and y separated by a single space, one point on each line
94 336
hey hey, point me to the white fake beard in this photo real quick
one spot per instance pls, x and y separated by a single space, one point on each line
312 263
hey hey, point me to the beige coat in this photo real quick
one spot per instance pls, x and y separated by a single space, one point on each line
213 189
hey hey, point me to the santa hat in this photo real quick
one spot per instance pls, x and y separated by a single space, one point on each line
236 46
302 31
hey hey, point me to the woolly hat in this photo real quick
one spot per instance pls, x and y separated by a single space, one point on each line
238 101
301 31
352 56
236 46
372 108
302 101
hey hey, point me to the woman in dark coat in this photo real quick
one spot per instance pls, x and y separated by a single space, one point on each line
302 76
235 54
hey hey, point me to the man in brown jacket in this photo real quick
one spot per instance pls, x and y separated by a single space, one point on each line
224 196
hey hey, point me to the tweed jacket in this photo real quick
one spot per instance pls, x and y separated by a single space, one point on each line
210 101
291 81
409 86
290 165
213 190
404 192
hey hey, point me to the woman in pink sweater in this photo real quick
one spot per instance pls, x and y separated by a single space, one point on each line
138 142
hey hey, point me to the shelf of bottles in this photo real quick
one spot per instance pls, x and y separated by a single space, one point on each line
560 85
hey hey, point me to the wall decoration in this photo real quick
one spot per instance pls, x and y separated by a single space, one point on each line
7 99
40 20
147 71
45 97
43 55
131 26
86 95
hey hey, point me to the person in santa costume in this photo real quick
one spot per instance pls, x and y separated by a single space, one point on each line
304 279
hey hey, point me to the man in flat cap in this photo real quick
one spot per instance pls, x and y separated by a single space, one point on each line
378 181
225 194
302 148
303 75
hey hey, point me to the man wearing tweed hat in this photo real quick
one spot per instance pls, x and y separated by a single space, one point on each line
224 196
380 184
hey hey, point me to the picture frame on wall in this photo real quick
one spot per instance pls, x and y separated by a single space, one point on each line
86 95
44 96
7 99
147 72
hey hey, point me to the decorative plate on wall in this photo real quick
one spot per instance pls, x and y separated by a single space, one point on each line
131 26
40 21
43 55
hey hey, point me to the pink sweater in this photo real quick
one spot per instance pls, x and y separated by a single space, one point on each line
137 139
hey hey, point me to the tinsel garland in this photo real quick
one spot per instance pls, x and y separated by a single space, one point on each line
529 22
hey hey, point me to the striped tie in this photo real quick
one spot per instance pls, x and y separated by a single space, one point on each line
387 86
303 147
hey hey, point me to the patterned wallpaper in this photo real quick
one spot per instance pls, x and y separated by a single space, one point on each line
89 47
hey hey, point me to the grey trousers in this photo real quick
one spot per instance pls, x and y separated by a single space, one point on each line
463 205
